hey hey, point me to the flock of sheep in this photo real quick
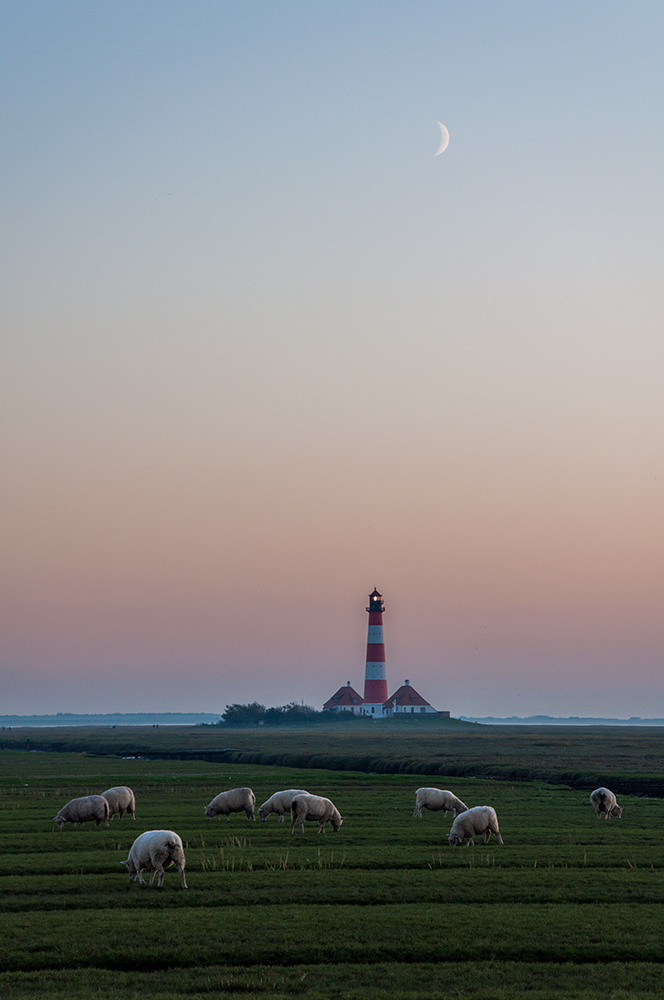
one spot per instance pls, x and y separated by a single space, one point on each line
158 849
301 804
479 820
467 822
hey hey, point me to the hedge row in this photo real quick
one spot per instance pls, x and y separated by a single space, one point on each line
621 784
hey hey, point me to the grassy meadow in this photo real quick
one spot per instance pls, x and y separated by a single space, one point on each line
627 759
569 906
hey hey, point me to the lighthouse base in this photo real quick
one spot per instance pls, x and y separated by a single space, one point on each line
375 709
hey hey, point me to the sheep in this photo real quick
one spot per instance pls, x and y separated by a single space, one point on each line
233 801
436 799
279 803
479 819
156 850
314 807
121 799
604 801
81 810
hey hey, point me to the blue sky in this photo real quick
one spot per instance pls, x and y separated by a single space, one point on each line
260 340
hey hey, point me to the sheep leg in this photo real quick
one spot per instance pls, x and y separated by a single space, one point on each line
471 842
184 881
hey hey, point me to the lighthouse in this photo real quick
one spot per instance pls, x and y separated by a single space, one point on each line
375 677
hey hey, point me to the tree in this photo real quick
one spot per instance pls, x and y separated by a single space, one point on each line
243 715
254 714
290 714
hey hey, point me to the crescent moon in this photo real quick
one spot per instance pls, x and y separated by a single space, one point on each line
444 139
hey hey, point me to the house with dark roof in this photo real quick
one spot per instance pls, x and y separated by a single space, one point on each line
406 700
346 699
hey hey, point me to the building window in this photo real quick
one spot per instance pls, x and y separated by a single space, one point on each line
412 709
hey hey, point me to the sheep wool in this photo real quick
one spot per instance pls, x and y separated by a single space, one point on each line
316 808
279 803
604 801
233 801
83 809
156 850
436 799
476 821
120 800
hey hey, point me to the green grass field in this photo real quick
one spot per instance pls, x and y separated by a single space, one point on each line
568 907
628 759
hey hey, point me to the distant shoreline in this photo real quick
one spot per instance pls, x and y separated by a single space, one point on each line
111 719
207 718
550 720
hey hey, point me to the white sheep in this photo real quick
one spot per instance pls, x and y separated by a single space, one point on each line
314 807
604 801
156 850
478 820
436 799
235 800
279 803
84 809
121 800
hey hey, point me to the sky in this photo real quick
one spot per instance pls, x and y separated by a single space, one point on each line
263 351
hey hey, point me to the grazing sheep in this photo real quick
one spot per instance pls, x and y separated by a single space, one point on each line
604 801
156 850
314 807
235 800
84 809
279 803
121 800
436 799
478 820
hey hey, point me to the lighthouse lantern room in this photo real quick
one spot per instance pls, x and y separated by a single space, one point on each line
375 676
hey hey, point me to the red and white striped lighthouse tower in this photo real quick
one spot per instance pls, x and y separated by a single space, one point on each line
375 677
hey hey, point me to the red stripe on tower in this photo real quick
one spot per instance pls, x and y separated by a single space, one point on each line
375 676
